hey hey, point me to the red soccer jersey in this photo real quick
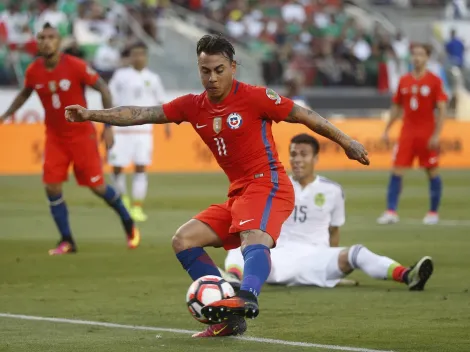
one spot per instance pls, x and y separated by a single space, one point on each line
237 130
418 97
57 88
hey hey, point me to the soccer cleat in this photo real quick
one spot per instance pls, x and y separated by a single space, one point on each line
388 217
232 279
133 241
420 273
219 311
138 214
64 247
431 218
235 325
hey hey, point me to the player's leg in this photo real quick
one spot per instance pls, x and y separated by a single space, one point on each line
139 192
258 216
142 158
429 160
403 159
234 263
210 228
120 156
89 173
383 268
56 163
120 184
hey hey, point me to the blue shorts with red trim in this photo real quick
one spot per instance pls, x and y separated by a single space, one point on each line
261 205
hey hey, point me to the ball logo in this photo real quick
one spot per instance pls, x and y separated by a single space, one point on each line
234 121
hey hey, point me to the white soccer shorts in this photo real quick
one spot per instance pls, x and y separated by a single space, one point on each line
298 264
131 148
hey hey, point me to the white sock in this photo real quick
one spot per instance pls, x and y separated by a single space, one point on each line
139 186
119 182
374 265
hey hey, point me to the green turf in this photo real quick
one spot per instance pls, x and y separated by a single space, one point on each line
106 282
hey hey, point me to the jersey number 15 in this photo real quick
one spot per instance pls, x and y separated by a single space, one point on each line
300 213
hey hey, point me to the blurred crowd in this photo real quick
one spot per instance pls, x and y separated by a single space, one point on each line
95 30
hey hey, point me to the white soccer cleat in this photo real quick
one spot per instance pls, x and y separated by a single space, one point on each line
388 217
431 218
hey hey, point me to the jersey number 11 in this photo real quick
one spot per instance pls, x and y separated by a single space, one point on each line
221 148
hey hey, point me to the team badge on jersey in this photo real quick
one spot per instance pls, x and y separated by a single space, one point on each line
425 90
273 96
319 199
64 84
217 124
234 120
414 89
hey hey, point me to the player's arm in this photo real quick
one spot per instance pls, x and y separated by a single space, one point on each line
354 150
338 218
441 102
176 111
395 115
106 98
334 236
118 116
17 103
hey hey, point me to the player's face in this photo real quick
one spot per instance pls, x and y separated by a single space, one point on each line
302 160
217 73
419 57
48 42
138 58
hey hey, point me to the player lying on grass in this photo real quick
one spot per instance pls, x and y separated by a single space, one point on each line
417 95
234 120
59 80
308 252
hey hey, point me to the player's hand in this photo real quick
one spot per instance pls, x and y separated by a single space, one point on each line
3 118
433 143
356 151
108 137
385 138
76 113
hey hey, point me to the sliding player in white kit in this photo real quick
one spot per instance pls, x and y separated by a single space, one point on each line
307 252
134 85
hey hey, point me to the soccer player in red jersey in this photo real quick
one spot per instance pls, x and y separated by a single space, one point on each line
418 94
234 120
60 80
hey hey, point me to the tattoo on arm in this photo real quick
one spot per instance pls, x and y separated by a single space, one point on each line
20 99
106 98
318 124
129 115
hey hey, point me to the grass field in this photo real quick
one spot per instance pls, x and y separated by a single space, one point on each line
105 282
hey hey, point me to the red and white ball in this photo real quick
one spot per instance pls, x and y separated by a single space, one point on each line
206 290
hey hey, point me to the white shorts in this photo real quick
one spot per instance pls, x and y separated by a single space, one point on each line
297 264
128 148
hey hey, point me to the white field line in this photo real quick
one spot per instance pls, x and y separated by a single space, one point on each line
186 332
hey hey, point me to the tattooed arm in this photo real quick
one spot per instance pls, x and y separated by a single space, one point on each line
354 150
119 116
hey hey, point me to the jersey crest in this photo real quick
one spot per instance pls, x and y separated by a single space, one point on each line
319 199
234 120
217 124
64 84
273 96
425 90
52 86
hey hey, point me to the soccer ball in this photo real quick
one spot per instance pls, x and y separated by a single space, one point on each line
206 290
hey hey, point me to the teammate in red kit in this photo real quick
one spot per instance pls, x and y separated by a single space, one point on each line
60 80
418 94
234 120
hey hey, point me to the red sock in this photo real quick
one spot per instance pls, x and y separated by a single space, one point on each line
398 273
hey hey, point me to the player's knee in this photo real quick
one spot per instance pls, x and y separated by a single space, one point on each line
117 170
98 190
432 172
397 171
183 239
251 237
54 189
140 168
343 261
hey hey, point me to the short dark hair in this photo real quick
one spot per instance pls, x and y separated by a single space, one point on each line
138 45
47 25
427 47
213 44
305 138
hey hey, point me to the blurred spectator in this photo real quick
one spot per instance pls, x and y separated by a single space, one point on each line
455 50
401 47
54 17
16 24
107 59
5 76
